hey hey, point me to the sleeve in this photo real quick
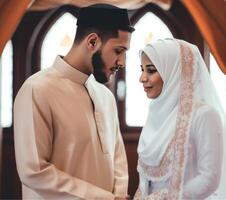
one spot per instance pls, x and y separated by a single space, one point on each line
120 164
208 138
33 137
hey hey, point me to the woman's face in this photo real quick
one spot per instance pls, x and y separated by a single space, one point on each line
150 78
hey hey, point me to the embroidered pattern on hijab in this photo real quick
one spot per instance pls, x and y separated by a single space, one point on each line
173 161
164 140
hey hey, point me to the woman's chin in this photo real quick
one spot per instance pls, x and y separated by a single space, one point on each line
151 95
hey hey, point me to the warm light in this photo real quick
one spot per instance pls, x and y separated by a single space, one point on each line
58 40
6 85
219 80
148 29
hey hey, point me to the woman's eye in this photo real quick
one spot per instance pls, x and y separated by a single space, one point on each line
151 71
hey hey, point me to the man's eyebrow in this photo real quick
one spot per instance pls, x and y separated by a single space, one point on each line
122 47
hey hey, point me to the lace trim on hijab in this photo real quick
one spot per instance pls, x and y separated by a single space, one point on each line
161 172
174 160
162 194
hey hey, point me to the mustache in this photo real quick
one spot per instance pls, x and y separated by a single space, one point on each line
117 67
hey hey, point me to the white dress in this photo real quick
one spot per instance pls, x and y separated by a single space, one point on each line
202 172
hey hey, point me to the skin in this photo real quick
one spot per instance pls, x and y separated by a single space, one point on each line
150 78
101 59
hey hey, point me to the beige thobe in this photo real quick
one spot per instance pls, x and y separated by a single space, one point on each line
67 145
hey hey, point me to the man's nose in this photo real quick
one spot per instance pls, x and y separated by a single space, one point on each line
122 60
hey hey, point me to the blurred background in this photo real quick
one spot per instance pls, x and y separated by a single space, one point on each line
34 32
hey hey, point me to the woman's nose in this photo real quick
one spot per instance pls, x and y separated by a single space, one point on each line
143 77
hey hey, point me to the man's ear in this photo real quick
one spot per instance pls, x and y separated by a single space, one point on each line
93 41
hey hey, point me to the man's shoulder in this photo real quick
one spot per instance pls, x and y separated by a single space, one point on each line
39 81
44 76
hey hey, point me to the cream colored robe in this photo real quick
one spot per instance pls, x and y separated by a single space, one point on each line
65 149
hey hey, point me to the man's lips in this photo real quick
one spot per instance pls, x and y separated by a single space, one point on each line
114 69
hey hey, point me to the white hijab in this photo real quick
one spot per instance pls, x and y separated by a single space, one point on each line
162 110
165 111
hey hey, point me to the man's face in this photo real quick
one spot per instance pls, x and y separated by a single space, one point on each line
111 56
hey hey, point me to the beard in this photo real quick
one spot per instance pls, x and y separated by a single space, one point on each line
98 68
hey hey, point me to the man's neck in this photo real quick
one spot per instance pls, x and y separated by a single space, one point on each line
77 58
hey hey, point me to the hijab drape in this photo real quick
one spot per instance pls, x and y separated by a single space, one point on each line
162 147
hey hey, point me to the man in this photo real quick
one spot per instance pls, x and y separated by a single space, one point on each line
67 139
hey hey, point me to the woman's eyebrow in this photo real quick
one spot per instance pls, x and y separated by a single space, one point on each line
150 65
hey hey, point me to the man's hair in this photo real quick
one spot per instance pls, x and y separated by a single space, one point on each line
103 19
104 33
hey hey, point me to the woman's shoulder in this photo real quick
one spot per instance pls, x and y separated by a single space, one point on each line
206 116
203 110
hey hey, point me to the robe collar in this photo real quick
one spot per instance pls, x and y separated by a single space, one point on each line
69 72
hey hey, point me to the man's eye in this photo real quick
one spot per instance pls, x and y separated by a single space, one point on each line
118 51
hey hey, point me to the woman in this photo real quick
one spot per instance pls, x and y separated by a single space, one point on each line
181 145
